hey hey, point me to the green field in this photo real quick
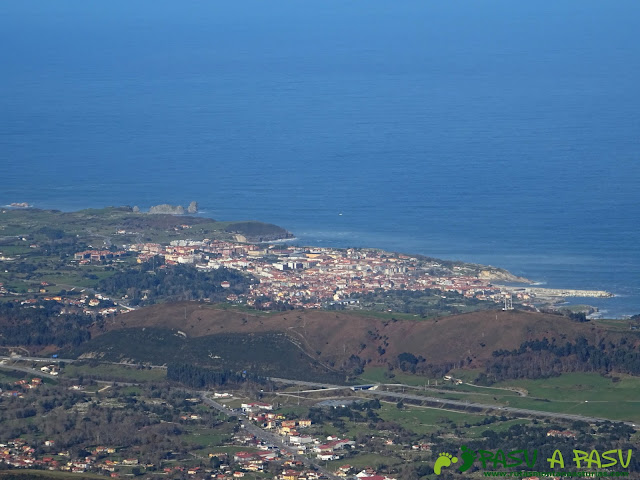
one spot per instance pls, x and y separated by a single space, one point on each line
230 449
108 372
293 410
581 386
19 249
589 394
425 421
363 460
10 376
39 474
377 375
205 438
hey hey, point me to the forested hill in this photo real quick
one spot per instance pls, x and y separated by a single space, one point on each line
543 358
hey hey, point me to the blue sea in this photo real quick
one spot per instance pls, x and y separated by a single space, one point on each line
497 132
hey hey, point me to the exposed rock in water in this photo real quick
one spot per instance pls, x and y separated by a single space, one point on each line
136 209
193 207
167 209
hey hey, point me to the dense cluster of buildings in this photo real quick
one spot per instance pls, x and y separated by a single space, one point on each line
89 256
292 432
21 387
19 454
314 277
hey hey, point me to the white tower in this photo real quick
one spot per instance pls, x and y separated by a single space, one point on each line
508 302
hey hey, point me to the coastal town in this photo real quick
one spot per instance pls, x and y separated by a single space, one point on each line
305 277
313 277
279 274
316 277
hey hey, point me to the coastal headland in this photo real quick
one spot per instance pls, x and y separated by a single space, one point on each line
108 243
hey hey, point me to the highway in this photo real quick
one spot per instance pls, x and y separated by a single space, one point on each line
458 404
40 374
71 360
18 358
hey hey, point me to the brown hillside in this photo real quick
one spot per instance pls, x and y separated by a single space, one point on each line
338 335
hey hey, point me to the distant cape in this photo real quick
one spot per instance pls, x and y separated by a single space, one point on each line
165 208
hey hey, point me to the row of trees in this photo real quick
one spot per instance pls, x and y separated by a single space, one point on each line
199 377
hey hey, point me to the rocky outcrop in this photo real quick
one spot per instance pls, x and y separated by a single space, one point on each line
256 232
494 274
167 209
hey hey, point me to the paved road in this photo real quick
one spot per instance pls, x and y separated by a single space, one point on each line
459 404
38 359
71 360
33 371
266 436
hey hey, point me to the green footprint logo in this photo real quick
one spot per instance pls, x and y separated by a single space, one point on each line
468 457
444 460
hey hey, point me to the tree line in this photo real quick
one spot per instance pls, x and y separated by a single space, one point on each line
42 326
200 377
544 358
152 281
